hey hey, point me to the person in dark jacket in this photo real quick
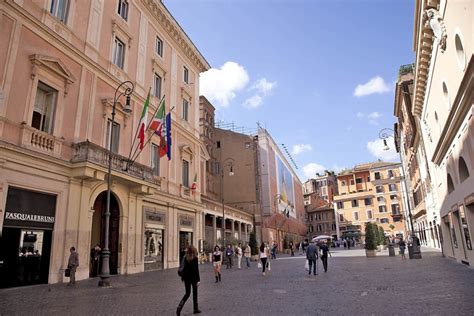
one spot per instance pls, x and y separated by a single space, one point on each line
190 277
312 256
229 252
324 255
72 265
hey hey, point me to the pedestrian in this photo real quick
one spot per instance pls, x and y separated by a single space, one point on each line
312 256
274 250
247 255
345 243
349 244
263 257
324 256
238 252
401 246
228 256
301 247
190 277
95 256
292 249
72 265
217 262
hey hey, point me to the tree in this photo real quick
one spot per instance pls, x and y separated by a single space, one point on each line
253 243
371 233
382 240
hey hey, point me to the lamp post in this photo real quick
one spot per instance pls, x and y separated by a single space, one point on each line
384 134
230 163
105 271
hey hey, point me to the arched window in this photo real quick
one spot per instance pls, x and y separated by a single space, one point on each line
463 171
450 184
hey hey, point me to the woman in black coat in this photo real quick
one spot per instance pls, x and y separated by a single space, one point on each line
189 272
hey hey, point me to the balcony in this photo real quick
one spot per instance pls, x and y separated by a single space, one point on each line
396 213
90 152
39 141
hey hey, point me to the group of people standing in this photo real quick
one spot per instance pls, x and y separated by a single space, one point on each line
312 254
218 258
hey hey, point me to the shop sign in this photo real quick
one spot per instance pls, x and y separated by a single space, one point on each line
154 217
185 221
29 209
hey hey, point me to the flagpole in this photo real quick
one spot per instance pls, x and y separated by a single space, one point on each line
135 137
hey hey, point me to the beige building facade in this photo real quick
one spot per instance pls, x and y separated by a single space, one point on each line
60 65
443 106
370 192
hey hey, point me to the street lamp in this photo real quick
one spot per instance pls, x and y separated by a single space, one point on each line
229 162
105 271
384 134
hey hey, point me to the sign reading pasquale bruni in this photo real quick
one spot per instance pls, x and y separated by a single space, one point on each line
29 209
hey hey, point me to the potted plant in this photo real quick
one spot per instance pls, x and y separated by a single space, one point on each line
383 239
371 233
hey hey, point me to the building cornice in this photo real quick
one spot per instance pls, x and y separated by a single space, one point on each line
164 17
462 105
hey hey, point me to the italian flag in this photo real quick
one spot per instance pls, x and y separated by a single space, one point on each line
159 118
142 123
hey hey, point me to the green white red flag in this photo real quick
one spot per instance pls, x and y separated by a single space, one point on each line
143 122
159 119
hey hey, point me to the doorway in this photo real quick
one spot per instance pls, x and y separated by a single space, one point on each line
98 228
185 239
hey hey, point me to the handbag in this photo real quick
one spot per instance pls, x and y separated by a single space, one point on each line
259 265
306 265
67 273
269 268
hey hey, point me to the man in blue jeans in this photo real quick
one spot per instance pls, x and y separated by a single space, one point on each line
312 256
247 255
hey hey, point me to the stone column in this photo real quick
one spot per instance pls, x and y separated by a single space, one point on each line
240 230
246 232
233 227
214 230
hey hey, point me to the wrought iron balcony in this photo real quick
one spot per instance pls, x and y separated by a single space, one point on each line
90 152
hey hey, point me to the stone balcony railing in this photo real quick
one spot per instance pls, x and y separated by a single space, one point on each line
90 152
40 141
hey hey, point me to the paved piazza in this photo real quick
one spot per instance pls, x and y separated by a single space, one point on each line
354 285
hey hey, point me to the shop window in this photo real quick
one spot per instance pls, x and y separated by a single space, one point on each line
60 9
44 108
465 227
463 171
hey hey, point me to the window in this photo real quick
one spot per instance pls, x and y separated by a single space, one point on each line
369 214
392 187
384 220
355 203
186 173
44 109
358 180
377 176
356 216
390 174
157 86
382 209
368 201
397 219
380 199
119 53
159 46
343 183
395 209
352 181
155 159
450 184
340 205
186 75
341 217
379 189
123 9
368 179
218 144
60 9
393 197
185 110
115 136
463 170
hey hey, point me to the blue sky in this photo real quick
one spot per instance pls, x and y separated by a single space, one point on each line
294 66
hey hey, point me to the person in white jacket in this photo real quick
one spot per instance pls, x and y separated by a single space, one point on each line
238 252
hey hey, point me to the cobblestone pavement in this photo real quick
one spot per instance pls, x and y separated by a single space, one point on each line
354 285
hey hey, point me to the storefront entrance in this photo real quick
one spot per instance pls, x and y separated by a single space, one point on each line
25 242
98 229
185 239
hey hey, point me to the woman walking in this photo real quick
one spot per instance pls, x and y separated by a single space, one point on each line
217 262
263 257
190 277
401 245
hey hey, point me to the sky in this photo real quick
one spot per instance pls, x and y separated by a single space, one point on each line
319 75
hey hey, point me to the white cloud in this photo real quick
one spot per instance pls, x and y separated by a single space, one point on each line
264 86
220 85
336 168
301 148
374 85
253 102
312 168
376 148
374 115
